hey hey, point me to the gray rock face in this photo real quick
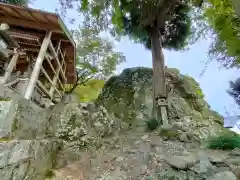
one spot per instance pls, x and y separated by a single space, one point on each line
28 159
129 97
36 136
41 140
223 176
181 162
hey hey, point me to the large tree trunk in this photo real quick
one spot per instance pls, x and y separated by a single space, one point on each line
159 84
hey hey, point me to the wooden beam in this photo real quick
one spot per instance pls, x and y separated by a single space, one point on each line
46 75
10 67
57 59
11 52
38 65
65 68
54 82
58 47
50 64
55 36
45 91
30 24
59 81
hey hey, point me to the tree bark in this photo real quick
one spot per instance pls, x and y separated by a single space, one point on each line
159 84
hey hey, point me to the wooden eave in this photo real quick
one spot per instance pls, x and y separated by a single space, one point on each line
37 23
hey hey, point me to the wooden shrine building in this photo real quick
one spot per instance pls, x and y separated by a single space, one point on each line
37 53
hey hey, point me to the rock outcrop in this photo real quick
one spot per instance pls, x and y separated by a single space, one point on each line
129 97
107 139
38 140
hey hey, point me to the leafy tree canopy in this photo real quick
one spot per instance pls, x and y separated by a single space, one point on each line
16 2
225 23
135 18
96 53
96 57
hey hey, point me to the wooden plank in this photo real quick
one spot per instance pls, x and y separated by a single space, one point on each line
55 81
56 36
38 65
50 64
28 24
46 18
9 11
58 47
46 75
59 81
65 67
51 18
40 17
63 57
26 14
58 92
45 91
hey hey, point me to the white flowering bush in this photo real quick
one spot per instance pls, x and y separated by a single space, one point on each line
102 122
75 122
72 126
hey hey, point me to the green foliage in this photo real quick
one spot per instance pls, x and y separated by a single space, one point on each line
4 139
225 23
195 85
16 2
89 91
234 90
135 18
152 124
225 142
96 53
96 59
5 99
49 174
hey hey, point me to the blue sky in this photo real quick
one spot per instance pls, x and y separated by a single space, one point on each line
214 82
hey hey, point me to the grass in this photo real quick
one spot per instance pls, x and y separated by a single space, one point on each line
5 99
152 124
4 139
224 142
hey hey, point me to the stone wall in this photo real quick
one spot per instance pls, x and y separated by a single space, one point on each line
38 140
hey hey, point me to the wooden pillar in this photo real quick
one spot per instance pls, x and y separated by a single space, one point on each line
10 67
38 65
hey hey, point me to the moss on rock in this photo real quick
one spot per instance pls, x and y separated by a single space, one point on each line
129 97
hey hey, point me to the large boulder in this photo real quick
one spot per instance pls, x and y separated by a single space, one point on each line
129 97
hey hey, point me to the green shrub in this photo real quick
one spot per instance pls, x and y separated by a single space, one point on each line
152 124
225 142
49 174
169 133
5 99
